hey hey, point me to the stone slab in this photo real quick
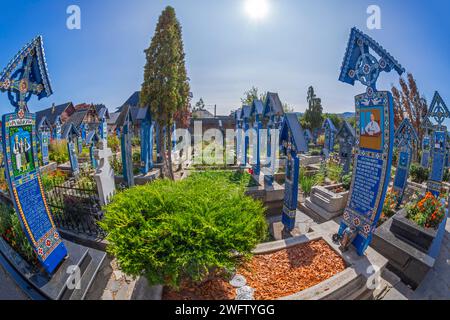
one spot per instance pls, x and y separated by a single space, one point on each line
409 263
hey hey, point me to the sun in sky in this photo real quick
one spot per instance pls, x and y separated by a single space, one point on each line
257 9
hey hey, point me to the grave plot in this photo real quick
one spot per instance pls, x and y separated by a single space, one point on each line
413 229
30 242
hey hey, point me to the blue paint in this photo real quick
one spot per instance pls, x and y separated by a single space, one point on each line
44 141
26 75
375 133
73 158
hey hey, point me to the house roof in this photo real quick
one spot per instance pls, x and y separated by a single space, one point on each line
273 105
52 113
77 118
133 101
291 123
203 114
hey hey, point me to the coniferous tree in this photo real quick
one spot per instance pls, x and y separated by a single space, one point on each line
313 115
166 86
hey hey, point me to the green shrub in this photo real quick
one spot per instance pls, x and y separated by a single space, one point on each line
170 231
241 178
58 151
50 180
11 230
418 173
446 176
346 181
135 141
114 143
306 182
334 171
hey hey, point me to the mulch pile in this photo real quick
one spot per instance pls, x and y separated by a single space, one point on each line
273 276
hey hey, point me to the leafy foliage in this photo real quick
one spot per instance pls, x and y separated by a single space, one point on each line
418 173
58 151
170 231
252 94
114 143
52 179
11 231
427 212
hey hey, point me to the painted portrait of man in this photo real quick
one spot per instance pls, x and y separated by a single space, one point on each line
371 129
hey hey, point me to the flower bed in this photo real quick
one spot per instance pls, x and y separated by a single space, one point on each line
273 276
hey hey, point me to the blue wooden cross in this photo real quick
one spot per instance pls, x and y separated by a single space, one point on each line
439 113
405 140
375 137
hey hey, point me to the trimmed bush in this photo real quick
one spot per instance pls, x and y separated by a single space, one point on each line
418 173
170 231
58 151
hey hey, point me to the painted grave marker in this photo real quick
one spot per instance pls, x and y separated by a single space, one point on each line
26 75
374 137
293 144
439 113
346 137
405 140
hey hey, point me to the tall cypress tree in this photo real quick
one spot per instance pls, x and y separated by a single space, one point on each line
166 86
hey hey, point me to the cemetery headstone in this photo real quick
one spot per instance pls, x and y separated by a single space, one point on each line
58 131
103 129
374 136
257 111
293 144
91 140
330 132
80 145
405 139
426 154
237 117
439 113
73 156
246 126
126 149
347 138
146 143
26 75
104 176
45 136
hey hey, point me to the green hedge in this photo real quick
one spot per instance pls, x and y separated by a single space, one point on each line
170 231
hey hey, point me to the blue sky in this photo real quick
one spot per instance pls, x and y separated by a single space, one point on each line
300 43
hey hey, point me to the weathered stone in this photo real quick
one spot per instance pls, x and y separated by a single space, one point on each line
238 281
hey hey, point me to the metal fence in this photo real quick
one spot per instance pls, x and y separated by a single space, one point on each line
76 206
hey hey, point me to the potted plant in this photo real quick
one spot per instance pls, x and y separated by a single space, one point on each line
421 223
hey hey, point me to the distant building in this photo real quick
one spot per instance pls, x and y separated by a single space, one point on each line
53 118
